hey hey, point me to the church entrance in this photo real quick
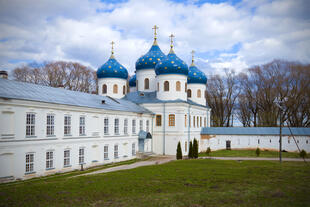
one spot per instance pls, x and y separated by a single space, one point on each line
141 145
228 147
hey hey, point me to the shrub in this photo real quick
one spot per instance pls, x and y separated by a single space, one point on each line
257 151
190 151
208 151
195 149
303 154
179 152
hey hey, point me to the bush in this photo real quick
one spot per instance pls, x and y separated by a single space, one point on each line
190 151
179 152
257 152
303 154
195 149
208 151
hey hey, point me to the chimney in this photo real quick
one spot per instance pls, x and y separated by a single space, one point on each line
4 74
61 86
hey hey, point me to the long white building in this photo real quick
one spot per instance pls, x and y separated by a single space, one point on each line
44 130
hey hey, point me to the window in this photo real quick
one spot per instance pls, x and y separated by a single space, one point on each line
185 120
147 125
126 126
307 141
189 120
82 125
50 125
197 121
116 126
106 152
194 121
67 125
146 83
178 86
185 87
157 86
81 155
205 122
104 89
29 162
258 141
288 141
115 88
185 146
189 93
158 120
49 159
199 93
106 126
133 149
134 126
115 151
67 158
270 140
171 120
124 90
30 124
200 121
141 125
166 86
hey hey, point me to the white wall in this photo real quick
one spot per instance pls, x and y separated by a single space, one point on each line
194 87
110 82
140 77
172 94
132 89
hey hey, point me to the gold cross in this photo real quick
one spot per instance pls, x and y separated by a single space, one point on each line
171 40
155 28
112 43
193 53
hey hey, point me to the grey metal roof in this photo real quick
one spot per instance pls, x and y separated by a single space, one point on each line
32 92
150 97
254 131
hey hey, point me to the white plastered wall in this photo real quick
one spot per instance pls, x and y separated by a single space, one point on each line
194 87
110 82
172 94
141 75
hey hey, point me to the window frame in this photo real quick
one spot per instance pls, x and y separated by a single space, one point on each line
133 149
189 93
116 126
115 88
147 125
67 125
106 152
67 158
82 126
30 124
81 155
134 125
50 125
141 124
106 126
146 84
198 93
178 86
166 86
158 120
126 126
116 150
171 120
104 89
29 163
49 158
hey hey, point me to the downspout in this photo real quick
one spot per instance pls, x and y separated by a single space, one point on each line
189 127
152 132
164 130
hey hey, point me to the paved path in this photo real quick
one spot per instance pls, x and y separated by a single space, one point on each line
256 158
152 161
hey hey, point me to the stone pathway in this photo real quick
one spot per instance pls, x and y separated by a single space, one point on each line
152 161
256 158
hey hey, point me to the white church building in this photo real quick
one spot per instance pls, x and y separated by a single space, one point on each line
44 130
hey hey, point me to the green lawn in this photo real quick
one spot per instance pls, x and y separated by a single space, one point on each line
250 153
179 183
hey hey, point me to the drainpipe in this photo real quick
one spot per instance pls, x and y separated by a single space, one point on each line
188 126
164 130
152 132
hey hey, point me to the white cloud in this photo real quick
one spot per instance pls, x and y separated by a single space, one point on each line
75 30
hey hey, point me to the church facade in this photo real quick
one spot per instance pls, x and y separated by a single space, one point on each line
46 130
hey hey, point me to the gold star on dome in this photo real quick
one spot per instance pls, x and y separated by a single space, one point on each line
142 59
158 59
172 62
150 58
195 74
165 67
154 63
109 66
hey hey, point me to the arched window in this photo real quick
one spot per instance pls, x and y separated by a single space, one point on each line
104 89
166 86
124 90
199 93
171 120
115 88
178 86
146 83
197 121
157 86
189 93
185 87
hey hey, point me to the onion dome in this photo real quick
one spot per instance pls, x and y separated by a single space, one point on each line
152 57
194 74
132 81
112 68
171 64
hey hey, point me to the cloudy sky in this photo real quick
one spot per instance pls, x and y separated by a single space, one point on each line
225 34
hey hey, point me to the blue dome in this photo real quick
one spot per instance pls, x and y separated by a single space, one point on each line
132 81
171 64
196 76
112 69
151 58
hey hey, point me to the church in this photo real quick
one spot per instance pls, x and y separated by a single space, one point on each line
46 130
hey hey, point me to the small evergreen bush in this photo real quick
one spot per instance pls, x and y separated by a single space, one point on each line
190 151
257 151
303 154
179 152
195 149
208 151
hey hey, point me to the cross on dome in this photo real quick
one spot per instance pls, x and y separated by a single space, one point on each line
171 43
112 50
193 54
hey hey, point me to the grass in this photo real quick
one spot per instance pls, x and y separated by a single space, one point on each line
250 153
179 183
